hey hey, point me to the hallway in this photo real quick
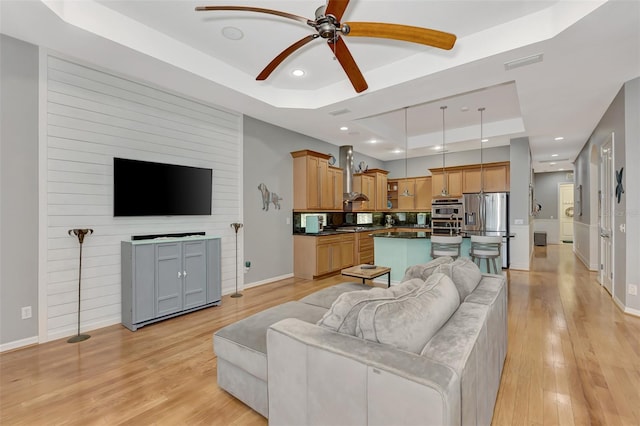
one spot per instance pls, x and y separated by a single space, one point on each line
573 357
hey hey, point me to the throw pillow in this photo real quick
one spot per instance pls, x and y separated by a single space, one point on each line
424 270
464 273
342 316
409 322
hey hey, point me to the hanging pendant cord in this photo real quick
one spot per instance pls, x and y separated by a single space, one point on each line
444 176
481 159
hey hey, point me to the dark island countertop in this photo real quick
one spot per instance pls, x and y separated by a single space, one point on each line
464 234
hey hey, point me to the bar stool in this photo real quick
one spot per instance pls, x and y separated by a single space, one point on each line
445 246
486 248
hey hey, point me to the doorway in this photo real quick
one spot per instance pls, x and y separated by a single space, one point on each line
606 215
566 211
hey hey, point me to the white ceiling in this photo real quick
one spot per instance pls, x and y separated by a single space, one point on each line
589 49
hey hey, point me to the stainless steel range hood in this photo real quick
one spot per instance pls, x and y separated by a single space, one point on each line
346 163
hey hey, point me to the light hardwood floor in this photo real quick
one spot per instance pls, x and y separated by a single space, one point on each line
573 359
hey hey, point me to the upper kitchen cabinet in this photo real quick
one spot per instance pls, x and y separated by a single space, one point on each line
364 184
336 181
373 184
423 193
454 182
496 178
380 189
314 186
406 194
468 179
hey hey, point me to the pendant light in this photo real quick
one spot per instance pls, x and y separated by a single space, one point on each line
481 159
406 192
444 192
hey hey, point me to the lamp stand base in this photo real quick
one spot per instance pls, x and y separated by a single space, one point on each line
78 338
236 295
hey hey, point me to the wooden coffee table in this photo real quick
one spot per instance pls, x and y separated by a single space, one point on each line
368 274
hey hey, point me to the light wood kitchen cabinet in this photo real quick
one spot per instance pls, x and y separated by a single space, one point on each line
454 182
379 202
423 193
314 256
406 202
335 181
313 184
363 248
496 178
418 187
364 184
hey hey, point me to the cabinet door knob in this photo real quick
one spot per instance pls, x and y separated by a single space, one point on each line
184 273
179 274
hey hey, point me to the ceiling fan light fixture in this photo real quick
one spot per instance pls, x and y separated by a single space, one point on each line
298 72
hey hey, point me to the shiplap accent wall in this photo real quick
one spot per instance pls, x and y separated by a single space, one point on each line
93 116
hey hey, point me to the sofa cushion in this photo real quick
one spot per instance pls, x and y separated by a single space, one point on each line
325 297
244 343
464 273
408 322
424 270
342 316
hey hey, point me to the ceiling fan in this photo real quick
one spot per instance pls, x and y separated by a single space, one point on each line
328 26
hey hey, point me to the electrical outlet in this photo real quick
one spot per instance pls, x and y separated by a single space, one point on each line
519 221
26 312
633 289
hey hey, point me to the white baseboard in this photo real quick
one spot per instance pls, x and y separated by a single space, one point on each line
626 309
262 282
19 343
86 328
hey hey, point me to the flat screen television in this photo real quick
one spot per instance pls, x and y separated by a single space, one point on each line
143 188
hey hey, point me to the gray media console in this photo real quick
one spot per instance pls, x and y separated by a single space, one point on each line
167 277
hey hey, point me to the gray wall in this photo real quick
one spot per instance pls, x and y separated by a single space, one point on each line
546 192
18 189
520 180
420 166
268 240
621 118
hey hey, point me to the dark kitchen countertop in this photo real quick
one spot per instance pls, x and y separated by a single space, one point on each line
367 229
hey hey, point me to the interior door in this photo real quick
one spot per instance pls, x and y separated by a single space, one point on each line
606 216
566 212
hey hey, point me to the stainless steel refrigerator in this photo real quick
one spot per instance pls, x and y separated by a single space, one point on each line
489 213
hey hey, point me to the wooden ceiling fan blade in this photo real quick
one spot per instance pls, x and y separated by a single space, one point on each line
336 8
348 64
284 55
255 9
408 33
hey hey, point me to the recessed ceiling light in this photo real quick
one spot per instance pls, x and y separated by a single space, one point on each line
373 141
397 151
232 33
344 128
552 164
559 138
484 140
437 147
554 155
464 109
561 169
297 73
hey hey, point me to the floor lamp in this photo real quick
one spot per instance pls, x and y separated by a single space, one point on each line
236 226
80 233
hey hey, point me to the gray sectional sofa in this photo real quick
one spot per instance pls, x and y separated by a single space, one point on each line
428 351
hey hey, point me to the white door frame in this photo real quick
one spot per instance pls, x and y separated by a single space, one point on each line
561 214
606 234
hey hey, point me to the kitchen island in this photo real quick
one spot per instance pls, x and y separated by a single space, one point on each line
399 250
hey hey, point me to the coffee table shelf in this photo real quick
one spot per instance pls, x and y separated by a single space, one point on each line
368 274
